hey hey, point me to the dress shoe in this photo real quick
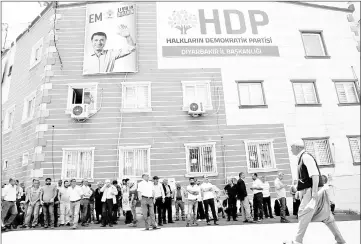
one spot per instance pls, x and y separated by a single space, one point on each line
103 226
160 224
146 229
171 222
216 223
208 223
156 228
285 221
110 225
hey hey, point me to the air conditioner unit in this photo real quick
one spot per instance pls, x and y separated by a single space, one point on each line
196 108
80 111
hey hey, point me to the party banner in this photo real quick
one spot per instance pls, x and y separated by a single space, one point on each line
110 38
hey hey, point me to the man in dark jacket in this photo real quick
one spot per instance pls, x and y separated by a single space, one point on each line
243 198
231 191
98 201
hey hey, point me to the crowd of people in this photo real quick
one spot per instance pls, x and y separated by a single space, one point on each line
70 203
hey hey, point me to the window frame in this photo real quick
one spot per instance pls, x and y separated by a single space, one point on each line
83 86
27 99
22 161
78 149
272 156
323 43
353 81
6 122
207 83
38 46
332 164
318 104
121 149
199 174
251 82
349 143
136 84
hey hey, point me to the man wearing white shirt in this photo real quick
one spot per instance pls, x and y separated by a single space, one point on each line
207 190
84 203
193 191
257 198
267 208
281 196
159 199
9 196
108 200
146 197
75 195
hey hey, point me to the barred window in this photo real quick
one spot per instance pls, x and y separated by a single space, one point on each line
320 150
355 148
201 158
260 155
78 163
134 161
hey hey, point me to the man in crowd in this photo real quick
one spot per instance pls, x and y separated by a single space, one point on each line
267 209
231 191
146 197
64 198
193 191
207 190
49 193
117 206
84 203
159 199
201 216
98 201
281 196
75 195
243 198
57 203
167 205
257 198
91 216
9 196
314 201
109 199
33 199
133 202
295 197
179 196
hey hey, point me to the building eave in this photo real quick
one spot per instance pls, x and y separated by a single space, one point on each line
350 9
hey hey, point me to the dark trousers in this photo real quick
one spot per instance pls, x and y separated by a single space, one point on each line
296 206
210 203
258 206
267 207
283 207
115 212
232 208
98 210
167 209
48 210
333 208
107 208
84 212
158 208
200 211
56 214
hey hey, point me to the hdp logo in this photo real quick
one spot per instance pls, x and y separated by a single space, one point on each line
183 21
109 14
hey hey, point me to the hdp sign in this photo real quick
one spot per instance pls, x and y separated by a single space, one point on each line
183 21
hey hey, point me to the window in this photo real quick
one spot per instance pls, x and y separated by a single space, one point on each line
346 92
78 163
29 108
355 146
25 159
5 164
9 119
136 96
314 44
85 93
320 150
305 92
251 93
36 53
201 159
260 155
134 161
197 91
10 71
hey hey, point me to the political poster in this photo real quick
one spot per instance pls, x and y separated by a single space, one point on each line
110 38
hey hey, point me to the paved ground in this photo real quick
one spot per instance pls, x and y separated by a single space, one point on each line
255 234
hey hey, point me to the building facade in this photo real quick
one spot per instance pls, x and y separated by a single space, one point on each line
263 76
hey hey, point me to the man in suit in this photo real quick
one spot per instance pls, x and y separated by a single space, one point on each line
243 198
98 201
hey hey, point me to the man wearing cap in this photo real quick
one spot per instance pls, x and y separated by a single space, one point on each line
159 199
146 197
314 200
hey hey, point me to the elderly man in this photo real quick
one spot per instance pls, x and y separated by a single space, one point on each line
167 205
146 197
231 191
108 200
281 196
314 200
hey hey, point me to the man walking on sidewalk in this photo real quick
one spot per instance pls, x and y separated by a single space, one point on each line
281 196
314 201
243 198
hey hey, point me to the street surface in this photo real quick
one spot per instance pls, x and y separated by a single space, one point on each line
276 233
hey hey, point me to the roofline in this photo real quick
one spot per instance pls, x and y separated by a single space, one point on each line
350 9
